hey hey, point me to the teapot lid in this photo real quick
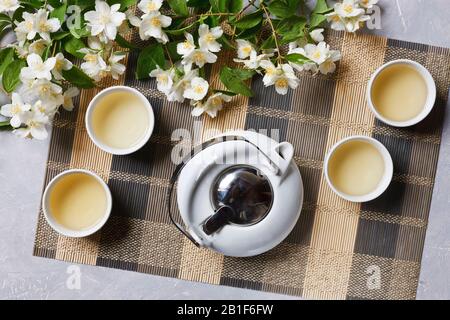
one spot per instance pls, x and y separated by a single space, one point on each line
241 195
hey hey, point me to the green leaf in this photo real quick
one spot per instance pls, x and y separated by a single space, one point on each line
59 12
172 50
316 20
6 57
321 7
233 79
148 59
297 58
200 4
73 45
5 22
179 6
60 35
284 8
5 125
124 4
291 29
269 43
121 41
11 75
228 93
36 4
78 78
249 21
235 5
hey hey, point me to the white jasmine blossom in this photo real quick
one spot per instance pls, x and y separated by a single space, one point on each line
117 69
9 5
282 77
270 72
367 4
244 49
60 65
132 18
212 105
317 35
197 90
322 58
44 26
68 96
199 57
348 16
37 68
35 125
164 79
207 38
181 84
94 65
254 60
152 24
25 29
49 93
38 46
148 6
186 47
15 110
105 19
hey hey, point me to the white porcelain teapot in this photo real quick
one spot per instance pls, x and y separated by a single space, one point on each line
240 194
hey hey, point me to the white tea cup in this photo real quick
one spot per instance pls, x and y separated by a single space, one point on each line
95 103
383 183
430 99
64 230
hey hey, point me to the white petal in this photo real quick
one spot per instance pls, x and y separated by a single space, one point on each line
15 121
217 32
53 24
92 16
111 31
34 60
203 30
50 63
197 111
39 132
118 17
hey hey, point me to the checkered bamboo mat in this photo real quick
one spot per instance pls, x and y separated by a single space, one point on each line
336 248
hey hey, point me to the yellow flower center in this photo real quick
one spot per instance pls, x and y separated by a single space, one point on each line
335 19
199 57
15 109
151 6
271 71
348 8
44 89
163 78
44 26
365 2
90 58
198 89
58 65
247 50
317 55
281 83
216 102
104 19
210 38
155 22
187 45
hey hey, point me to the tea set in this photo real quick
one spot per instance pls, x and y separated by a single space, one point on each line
241 193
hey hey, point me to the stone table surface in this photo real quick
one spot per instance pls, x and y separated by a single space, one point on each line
22 167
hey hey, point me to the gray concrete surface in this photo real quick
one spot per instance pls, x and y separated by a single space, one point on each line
22 165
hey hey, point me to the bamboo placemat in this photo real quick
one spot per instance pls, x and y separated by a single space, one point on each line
337 250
